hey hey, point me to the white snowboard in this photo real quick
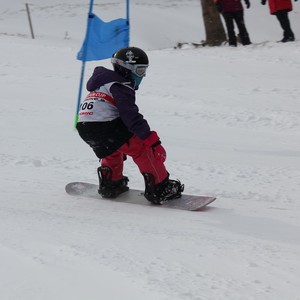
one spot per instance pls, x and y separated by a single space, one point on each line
185 202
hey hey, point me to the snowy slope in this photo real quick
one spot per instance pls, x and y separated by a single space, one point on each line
229 119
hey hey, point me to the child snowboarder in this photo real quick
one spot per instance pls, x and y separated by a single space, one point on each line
110 123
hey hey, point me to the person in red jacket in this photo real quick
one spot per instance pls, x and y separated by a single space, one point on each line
233 11
281 8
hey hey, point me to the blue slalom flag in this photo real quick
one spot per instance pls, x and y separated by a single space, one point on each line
103 39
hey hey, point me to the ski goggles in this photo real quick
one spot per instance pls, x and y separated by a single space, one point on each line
137 69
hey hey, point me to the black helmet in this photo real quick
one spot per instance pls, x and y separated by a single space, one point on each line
130 60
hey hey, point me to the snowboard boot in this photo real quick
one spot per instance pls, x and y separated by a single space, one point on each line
162 192
109 188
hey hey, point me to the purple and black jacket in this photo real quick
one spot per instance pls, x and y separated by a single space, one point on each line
106 137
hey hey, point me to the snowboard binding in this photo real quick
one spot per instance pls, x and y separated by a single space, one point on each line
162 192
109 188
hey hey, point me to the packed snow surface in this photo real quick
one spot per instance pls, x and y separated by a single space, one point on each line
229 119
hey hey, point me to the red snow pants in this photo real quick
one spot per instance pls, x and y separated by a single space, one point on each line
142 156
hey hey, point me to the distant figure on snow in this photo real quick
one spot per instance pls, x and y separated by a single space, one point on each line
233 11
281 8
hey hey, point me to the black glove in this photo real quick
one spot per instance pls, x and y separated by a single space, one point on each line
219 7
247 3
263 2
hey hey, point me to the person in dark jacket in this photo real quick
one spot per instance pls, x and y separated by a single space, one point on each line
233 11
111 124
281 8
